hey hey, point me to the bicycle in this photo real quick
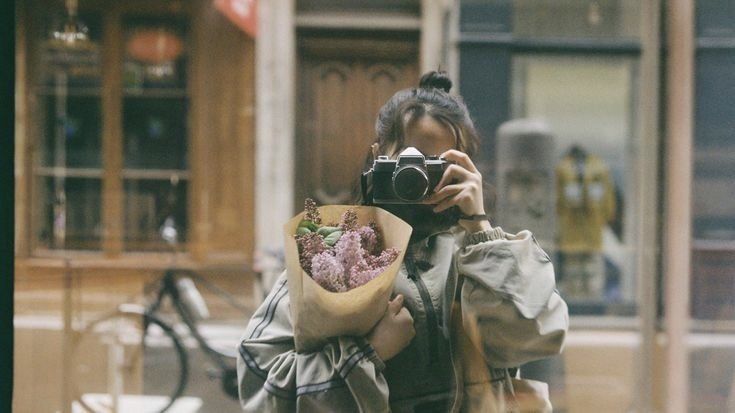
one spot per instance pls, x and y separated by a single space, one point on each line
133 330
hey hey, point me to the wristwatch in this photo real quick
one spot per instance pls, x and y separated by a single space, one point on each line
478 217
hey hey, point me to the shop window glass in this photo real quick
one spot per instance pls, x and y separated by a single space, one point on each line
155 158
70 217
104 170
571 161
713 221
67 169
151 206
576 18
554 19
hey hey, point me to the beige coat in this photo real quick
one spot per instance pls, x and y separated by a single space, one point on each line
480 305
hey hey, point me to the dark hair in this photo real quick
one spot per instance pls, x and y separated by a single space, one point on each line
430 98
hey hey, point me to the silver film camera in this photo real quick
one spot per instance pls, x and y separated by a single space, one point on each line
409 179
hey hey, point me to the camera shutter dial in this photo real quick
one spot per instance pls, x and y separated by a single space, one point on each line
410 183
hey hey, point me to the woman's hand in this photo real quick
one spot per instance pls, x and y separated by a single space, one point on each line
461 186
394 331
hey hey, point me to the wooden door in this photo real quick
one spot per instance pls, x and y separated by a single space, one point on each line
342 84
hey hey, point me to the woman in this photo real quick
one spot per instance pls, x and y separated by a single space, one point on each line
470 301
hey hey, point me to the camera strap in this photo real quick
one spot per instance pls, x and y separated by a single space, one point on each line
364 188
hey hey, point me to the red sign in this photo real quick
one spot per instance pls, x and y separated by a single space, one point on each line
244 13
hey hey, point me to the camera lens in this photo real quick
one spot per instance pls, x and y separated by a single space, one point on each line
410 184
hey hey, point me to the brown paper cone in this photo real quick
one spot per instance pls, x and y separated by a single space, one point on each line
318 314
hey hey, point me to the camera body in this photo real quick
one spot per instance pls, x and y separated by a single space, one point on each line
409 179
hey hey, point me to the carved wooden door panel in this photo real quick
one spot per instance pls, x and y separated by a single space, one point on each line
342 85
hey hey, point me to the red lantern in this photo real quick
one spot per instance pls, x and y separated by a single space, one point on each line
155 46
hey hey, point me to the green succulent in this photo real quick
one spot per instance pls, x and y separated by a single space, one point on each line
302 231
325 231
332 238
308 224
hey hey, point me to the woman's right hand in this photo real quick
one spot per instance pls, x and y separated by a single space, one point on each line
394 331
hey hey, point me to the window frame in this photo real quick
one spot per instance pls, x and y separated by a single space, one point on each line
112 171
493 45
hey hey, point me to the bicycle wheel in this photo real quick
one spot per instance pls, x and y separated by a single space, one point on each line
128 361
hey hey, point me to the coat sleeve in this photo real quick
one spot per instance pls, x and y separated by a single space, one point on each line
509 297
345 375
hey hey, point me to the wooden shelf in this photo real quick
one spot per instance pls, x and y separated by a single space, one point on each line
162 93
71 91
157 174
60 171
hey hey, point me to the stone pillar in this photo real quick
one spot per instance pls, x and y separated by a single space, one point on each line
274 132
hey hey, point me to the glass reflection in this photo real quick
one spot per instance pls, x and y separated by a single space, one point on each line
582 106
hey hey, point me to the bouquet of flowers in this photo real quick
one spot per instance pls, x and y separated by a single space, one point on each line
341 263
343 256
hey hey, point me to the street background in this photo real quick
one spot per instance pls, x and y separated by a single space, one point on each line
163 134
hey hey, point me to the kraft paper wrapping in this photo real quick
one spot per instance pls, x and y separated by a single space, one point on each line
318 314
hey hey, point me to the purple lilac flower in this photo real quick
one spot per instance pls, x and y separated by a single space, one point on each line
383 260
349 220
348 250
312 213
361 274
309 245
378 236
369 240
328 272
371 267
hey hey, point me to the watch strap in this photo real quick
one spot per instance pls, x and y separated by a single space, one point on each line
478 217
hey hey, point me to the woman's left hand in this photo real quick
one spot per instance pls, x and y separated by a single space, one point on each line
461 186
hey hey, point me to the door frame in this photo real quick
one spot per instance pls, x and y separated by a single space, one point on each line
275 60
343 51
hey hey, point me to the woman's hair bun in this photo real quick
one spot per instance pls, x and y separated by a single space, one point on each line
436 80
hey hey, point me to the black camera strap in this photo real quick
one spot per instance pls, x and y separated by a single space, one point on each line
364 188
